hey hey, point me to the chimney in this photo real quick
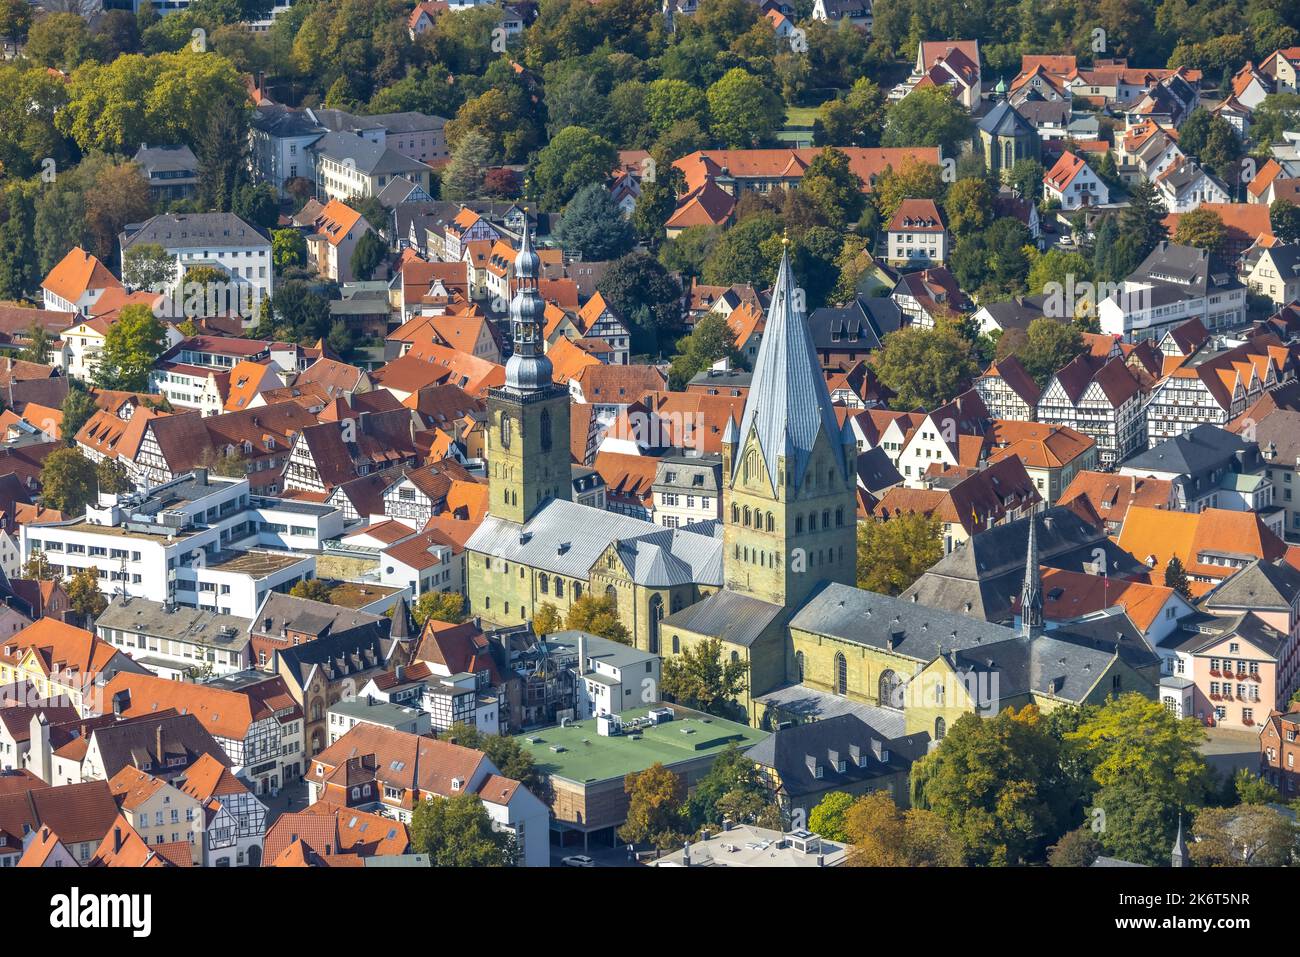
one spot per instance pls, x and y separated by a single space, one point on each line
582 654
117 839
162 755
686 854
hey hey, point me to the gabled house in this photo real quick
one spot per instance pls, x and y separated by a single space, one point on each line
1073 184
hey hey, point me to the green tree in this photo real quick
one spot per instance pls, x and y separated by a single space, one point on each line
669 101
131 347
745 112
38 568
969 206
593 226
1202 228
367 255
38 348
78 407
67 482
734 789
1049 346
1143 220
925 367
830 817
439 606
221 153
881 835
457 832
710 341
655 808
1249 835
1077 848
702 677
112 477
1147 766
288 249
930 116
1026 178
84 595
547 620
511 758
147 266
17 255
1176 578
854 120
1253 789
463 177
995 783
597 616
1285 217
256 204
834 188
15 19
59 40
895 553
640 289
574 159
914 179
312 589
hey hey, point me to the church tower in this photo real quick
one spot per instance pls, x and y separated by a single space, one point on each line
528 418
788 470
1031 593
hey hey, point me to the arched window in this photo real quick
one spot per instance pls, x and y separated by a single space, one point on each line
559 587
735 656
735 513
771 525
798 665
826 518
746 521
940 728
544 583
830 478
812 521
891 690
677 645
839 517
505 430
612 594
656 615
546 430
841 674
654 644
798 524
577 590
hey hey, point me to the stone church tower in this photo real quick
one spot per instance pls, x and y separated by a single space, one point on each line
789 504
528 418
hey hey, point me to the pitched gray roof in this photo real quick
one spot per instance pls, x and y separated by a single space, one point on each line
190 230
566 538
370 158
788 403
908 628
731 616
1259 586
827 742
1003 120
982 578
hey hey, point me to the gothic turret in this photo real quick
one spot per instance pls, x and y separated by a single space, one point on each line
528 369
1031 594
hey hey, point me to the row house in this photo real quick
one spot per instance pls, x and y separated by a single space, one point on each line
1110 496
234 819
1101 400
1185 185
390 772
951 435
1215 386
327 455
420 494
1008 390
1145 151
250 714
1209 467
927 296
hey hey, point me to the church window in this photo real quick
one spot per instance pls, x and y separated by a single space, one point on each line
505 430
839 517
747 516
798 524
812 521
546 430
770 523
826 518
940 729
577 590
559 587
544 583
612 594
841 674
798 664
830 478
735 513
677 644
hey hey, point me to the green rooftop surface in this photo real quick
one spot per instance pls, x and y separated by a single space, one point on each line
588 758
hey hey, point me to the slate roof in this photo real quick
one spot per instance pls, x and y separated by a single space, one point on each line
191 230
859 325
731 616
788 403
982 577
1197 452
828 742
1260 586
1003 120
873 620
